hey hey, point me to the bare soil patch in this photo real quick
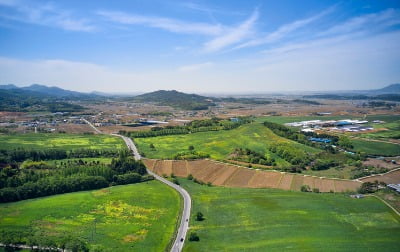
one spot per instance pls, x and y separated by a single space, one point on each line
221 174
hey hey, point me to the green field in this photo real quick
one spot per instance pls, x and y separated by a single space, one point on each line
376 148
219 144
139 217
60 141
273 220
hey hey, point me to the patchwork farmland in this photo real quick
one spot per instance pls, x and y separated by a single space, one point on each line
228 175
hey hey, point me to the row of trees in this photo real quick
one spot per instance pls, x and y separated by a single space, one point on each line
37 179
20 154
52 185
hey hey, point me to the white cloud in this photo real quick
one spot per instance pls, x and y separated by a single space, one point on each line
233 35
208 10
44 14
168 24
364 26
367 22
195 67
335 63
327 65
285 30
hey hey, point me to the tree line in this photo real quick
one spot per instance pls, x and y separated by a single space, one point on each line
21 154
37 179
214 124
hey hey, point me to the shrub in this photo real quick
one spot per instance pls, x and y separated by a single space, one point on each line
175 181
199 216
194 237
305 188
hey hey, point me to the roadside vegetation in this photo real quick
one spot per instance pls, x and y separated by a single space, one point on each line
278 220
138 217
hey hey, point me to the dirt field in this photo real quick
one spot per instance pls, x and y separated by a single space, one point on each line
229 175
74 128
392 177
380 163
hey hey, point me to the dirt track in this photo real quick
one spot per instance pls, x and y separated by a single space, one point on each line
392 177
222 174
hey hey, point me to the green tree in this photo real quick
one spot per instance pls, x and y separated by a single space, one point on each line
199 216
345 142
194 237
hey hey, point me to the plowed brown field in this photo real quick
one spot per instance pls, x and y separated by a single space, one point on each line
222 174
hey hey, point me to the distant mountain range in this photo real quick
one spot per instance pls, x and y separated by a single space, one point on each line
52 91
29 97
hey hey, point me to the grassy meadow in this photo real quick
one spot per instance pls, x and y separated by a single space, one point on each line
376 148
218 144
60 141
138 217
238 219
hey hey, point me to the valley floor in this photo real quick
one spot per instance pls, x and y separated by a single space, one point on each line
243 219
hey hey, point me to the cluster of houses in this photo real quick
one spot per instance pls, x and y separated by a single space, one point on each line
347 125
42 122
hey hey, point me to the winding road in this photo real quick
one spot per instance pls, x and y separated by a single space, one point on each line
187 201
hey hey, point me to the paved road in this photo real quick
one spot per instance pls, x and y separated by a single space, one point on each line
187 201
91 125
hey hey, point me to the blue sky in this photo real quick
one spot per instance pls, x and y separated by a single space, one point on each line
200 46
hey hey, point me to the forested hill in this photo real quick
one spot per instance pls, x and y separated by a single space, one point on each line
20 100
176 99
